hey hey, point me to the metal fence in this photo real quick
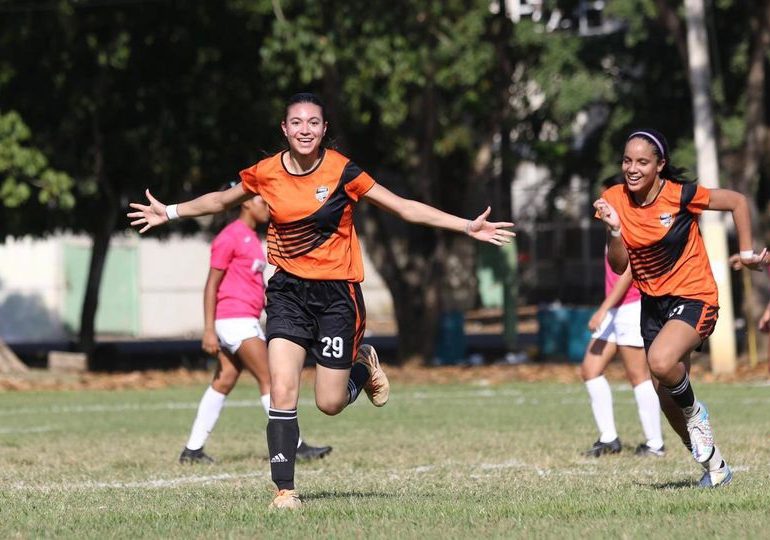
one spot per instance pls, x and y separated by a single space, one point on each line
561 261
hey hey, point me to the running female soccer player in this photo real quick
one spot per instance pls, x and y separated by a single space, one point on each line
314 300
233 299
652 221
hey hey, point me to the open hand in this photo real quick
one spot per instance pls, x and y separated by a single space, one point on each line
148 216
757 261
487 231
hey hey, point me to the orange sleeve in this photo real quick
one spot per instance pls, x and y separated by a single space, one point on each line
358 187
250 179
700 200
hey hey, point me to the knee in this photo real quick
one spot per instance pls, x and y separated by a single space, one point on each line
659 364
328 406
587 373
225 380
283 395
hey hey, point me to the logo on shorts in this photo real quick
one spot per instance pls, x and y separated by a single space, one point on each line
678 310
321 193
666 220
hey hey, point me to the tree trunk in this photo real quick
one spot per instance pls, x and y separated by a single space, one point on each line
100 247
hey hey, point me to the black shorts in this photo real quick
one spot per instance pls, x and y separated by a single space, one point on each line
657 310
327 318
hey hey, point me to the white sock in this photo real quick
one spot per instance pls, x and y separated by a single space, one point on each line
649 413
601 404
208 413
265 399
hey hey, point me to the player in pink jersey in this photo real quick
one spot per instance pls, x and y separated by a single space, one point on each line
232 303
616 328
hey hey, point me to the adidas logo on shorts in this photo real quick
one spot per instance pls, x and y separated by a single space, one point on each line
278 458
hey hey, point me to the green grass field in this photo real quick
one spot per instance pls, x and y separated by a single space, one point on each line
439 461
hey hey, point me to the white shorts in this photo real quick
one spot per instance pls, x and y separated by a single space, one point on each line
622 325
232 332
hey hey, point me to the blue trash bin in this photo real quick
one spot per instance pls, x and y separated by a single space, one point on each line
552 330
451 344
578 334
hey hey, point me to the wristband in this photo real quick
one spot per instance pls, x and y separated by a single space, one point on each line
468 227
171 212
615 232
747 254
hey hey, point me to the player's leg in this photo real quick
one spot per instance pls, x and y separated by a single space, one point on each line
632 353
689 323
647 403
286 359
345 365
210 406
253 355
598 355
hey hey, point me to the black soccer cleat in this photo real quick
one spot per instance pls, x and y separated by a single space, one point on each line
645 450
305 452
600 448
195 457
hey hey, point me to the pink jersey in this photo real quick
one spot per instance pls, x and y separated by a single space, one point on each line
238 251
611 278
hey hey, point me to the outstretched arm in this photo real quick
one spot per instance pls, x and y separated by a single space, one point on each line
417 212
148 216
728 200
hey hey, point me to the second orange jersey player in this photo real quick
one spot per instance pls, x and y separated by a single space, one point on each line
652 221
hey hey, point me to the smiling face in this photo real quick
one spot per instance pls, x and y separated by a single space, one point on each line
304 128
641 166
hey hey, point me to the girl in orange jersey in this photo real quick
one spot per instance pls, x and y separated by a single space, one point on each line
314 301
652 221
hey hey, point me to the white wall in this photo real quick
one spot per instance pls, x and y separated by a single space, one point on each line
31 289
171 276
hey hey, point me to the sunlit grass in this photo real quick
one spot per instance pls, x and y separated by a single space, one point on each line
442 461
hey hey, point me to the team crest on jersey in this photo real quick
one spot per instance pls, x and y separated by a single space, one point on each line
666 220
321 193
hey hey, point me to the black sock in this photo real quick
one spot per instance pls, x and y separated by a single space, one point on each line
682 393
282 437
359 376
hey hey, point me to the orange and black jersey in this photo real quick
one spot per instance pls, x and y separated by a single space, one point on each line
663 240
311 233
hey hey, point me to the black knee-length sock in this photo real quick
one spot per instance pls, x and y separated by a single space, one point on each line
282 437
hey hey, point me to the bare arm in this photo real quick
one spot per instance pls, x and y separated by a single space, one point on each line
732 201
149 215
617 254
210 343
417 212
616 294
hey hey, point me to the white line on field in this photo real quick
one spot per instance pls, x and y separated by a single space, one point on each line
515 397
478 471
37 429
